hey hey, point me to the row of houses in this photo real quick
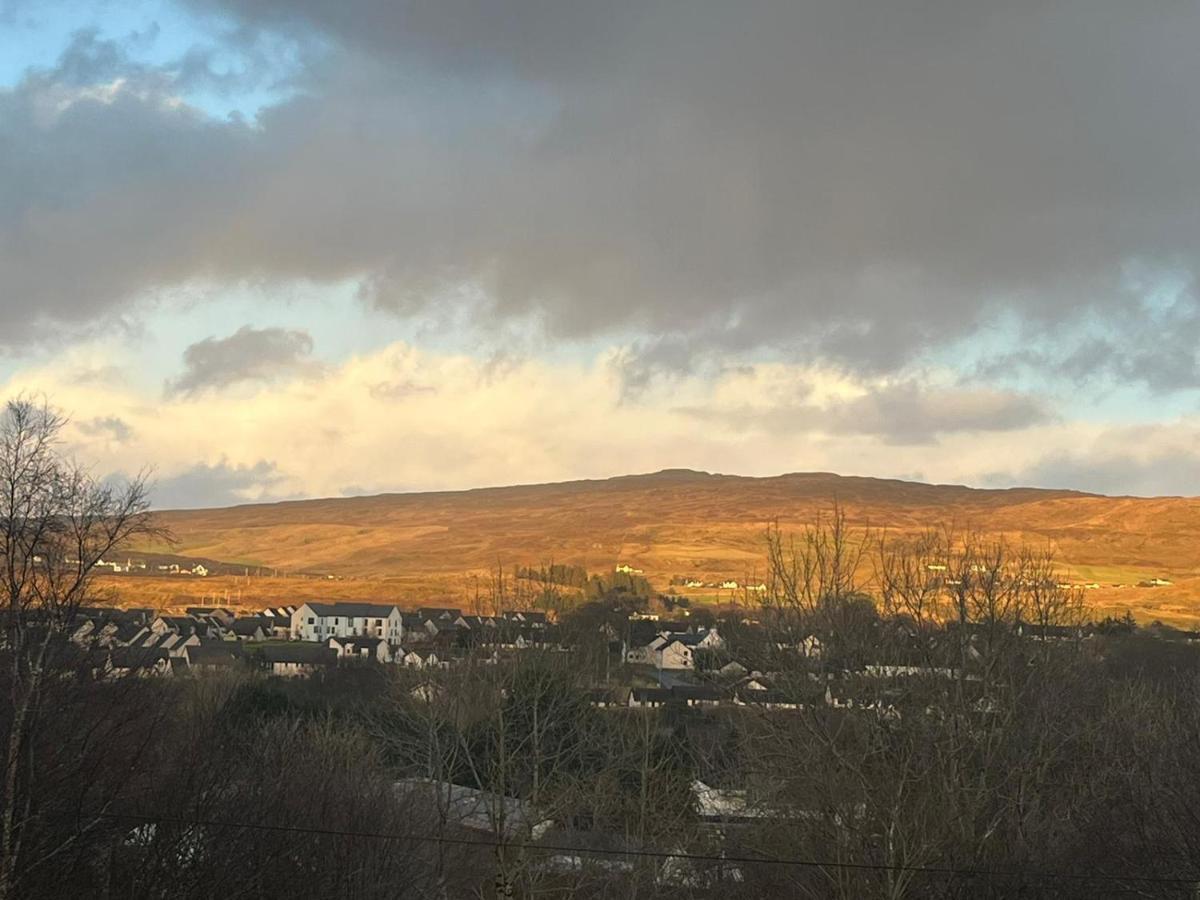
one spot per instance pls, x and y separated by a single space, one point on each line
315 621
290 640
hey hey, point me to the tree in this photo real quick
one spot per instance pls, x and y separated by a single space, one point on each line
56 523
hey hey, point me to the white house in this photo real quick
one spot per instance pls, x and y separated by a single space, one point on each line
322 621
709 640
673 654
359 648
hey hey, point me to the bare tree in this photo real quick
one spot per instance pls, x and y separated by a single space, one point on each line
56 523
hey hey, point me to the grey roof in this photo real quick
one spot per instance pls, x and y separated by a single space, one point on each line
214 653
353 610
135 657
439 612
695 692
304 653
247 624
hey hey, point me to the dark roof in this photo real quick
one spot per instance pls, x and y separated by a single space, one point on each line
353 610
185 624
528 615
695 692
127 631
247 624
773 697
306 653
650 695
135 657
439 612
214 653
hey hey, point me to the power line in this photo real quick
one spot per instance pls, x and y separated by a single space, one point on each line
945 871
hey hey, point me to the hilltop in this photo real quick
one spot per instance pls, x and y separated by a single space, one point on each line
674 522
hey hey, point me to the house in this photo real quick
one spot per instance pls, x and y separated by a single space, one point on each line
753 682
205 627
649 698
251 628
732 669
673 654
176 644
607 698
219 613
213 656
295 659
708 639
696 694
320 621
362 649
526 617
414 660
124 661
439 614
277 621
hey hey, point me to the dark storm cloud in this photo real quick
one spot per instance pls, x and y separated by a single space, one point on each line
848 180
249 354
217 485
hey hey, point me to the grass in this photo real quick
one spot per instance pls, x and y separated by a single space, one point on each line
418 549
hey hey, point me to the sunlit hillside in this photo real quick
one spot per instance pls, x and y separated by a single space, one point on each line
708 528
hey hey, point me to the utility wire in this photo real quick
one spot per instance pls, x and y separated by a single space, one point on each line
946 871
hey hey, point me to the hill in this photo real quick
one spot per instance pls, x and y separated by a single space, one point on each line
675 522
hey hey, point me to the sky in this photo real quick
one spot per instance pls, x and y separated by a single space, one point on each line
296 248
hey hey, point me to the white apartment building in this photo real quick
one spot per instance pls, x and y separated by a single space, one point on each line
322 621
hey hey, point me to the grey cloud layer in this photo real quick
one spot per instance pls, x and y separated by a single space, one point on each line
221 484
249 354
901 413
853 181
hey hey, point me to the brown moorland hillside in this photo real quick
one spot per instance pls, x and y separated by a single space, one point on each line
675 522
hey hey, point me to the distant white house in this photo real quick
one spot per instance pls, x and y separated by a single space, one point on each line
322 621
675 649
